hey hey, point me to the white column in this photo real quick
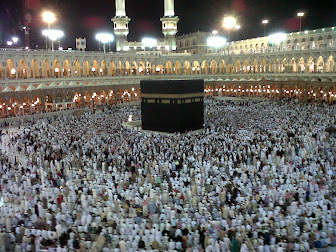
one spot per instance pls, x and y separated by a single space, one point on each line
120 8
169 8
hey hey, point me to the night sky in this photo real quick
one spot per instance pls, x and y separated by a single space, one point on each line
82 18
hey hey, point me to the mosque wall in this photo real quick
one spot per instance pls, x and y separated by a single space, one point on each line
40 65
85 79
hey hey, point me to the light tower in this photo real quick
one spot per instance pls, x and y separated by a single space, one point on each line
120 22
169 24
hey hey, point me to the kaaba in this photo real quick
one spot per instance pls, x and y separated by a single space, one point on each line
172 105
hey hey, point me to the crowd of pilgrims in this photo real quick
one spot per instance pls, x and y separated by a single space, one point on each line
260 176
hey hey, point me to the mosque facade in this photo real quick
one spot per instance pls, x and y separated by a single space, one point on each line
302 66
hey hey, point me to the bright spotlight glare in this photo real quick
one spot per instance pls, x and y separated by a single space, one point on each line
9 43
53 34
15 39
277 38
237 27
105 37
300 14
149 42
216 41
229 22
265 21
48 17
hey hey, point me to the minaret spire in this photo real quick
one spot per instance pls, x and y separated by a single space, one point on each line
169 8
169 24
120 22
120 8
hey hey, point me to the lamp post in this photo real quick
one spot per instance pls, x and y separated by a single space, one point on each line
229 23
216 42
53 35
277 38
300 15
265 22
104 38
15 40
149 42
237 28
49 18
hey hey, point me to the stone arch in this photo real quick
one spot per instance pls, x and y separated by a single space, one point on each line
330 41
13 107
25 105
246 49
277 66
66 68
246 66
292 66
46 69
186 67
127 68
113 69
22 69
320 65
57 69
230 67
330 66
103 97
205 67
296 44
148 67
320 42
222 67
284 67
238 67
86 68
257 48
255 66
169 67
34 69
77 99
178 68
159 69
95 69
303 44
310 65
87 98
134 68
120 68
77 71
263 66
142 68
251 49
213 67
196 68
301 65
103 68
153 69
311 44
111 96
263 47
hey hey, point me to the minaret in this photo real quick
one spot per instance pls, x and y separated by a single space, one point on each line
169 24
120 22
